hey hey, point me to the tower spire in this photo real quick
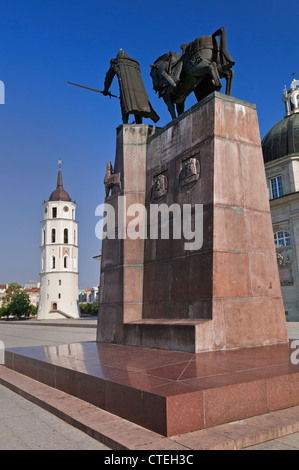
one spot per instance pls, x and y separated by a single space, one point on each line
59 178
59 194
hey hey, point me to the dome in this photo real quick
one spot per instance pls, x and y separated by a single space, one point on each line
59 194
282 139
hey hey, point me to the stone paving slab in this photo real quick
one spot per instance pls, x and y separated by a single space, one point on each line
80 322
23 334
25 426
119 434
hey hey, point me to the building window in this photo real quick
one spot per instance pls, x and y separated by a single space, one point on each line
276 187
65 261
59 282
59 296
53 238
282 239
66 235
54 212
44 237
53 262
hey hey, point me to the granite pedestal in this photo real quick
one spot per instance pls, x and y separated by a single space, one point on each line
225 294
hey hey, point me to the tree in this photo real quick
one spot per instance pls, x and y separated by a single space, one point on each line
12 290
94 308
4 311
34 310
20 305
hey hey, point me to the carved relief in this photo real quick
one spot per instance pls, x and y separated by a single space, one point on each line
111 179
189 174
285 272
159 188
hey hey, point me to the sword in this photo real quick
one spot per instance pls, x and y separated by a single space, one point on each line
93 89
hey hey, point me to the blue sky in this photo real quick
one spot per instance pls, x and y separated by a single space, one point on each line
46 43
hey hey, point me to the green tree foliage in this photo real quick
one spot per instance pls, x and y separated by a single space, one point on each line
89 309
12 290
16 302
20 305
94 308
34 310
4 311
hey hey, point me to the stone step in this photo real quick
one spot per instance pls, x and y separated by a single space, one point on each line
119 434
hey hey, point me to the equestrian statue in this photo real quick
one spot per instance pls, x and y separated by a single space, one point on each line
198 69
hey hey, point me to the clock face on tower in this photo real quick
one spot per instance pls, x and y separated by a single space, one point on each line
66 209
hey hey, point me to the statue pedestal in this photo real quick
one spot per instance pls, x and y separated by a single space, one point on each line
224 295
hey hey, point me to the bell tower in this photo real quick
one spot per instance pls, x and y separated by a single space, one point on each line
59 257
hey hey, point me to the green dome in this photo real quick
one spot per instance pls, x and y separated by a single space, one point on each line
282 139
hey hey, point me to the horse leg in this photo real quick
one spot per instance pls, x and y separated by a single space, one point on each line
180 107
204 67
169 105
228 74
213 71
204 88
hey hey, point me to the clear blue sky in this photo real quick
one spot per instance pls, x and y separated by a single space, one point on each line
46 43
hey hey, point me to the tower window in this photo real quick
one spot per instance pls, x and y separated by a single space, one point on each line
53 238
54 212
276 187
44 237
59 296
53 262
66 235
59 282
65 262
282 239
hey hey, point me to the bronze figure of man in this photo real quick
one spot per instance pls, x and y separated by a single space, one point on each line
133 95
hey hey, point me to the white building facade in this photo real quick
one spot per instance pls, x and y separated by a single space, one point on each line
281 158
58 297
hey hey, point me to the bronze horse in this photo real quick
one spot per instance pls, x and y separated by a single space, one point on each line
198 69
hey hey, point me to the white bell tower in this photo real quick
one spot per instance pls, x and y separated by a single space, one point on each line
58 296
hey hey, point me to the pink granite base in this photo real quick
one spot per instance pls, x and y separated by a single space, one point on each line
225 294
165 391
